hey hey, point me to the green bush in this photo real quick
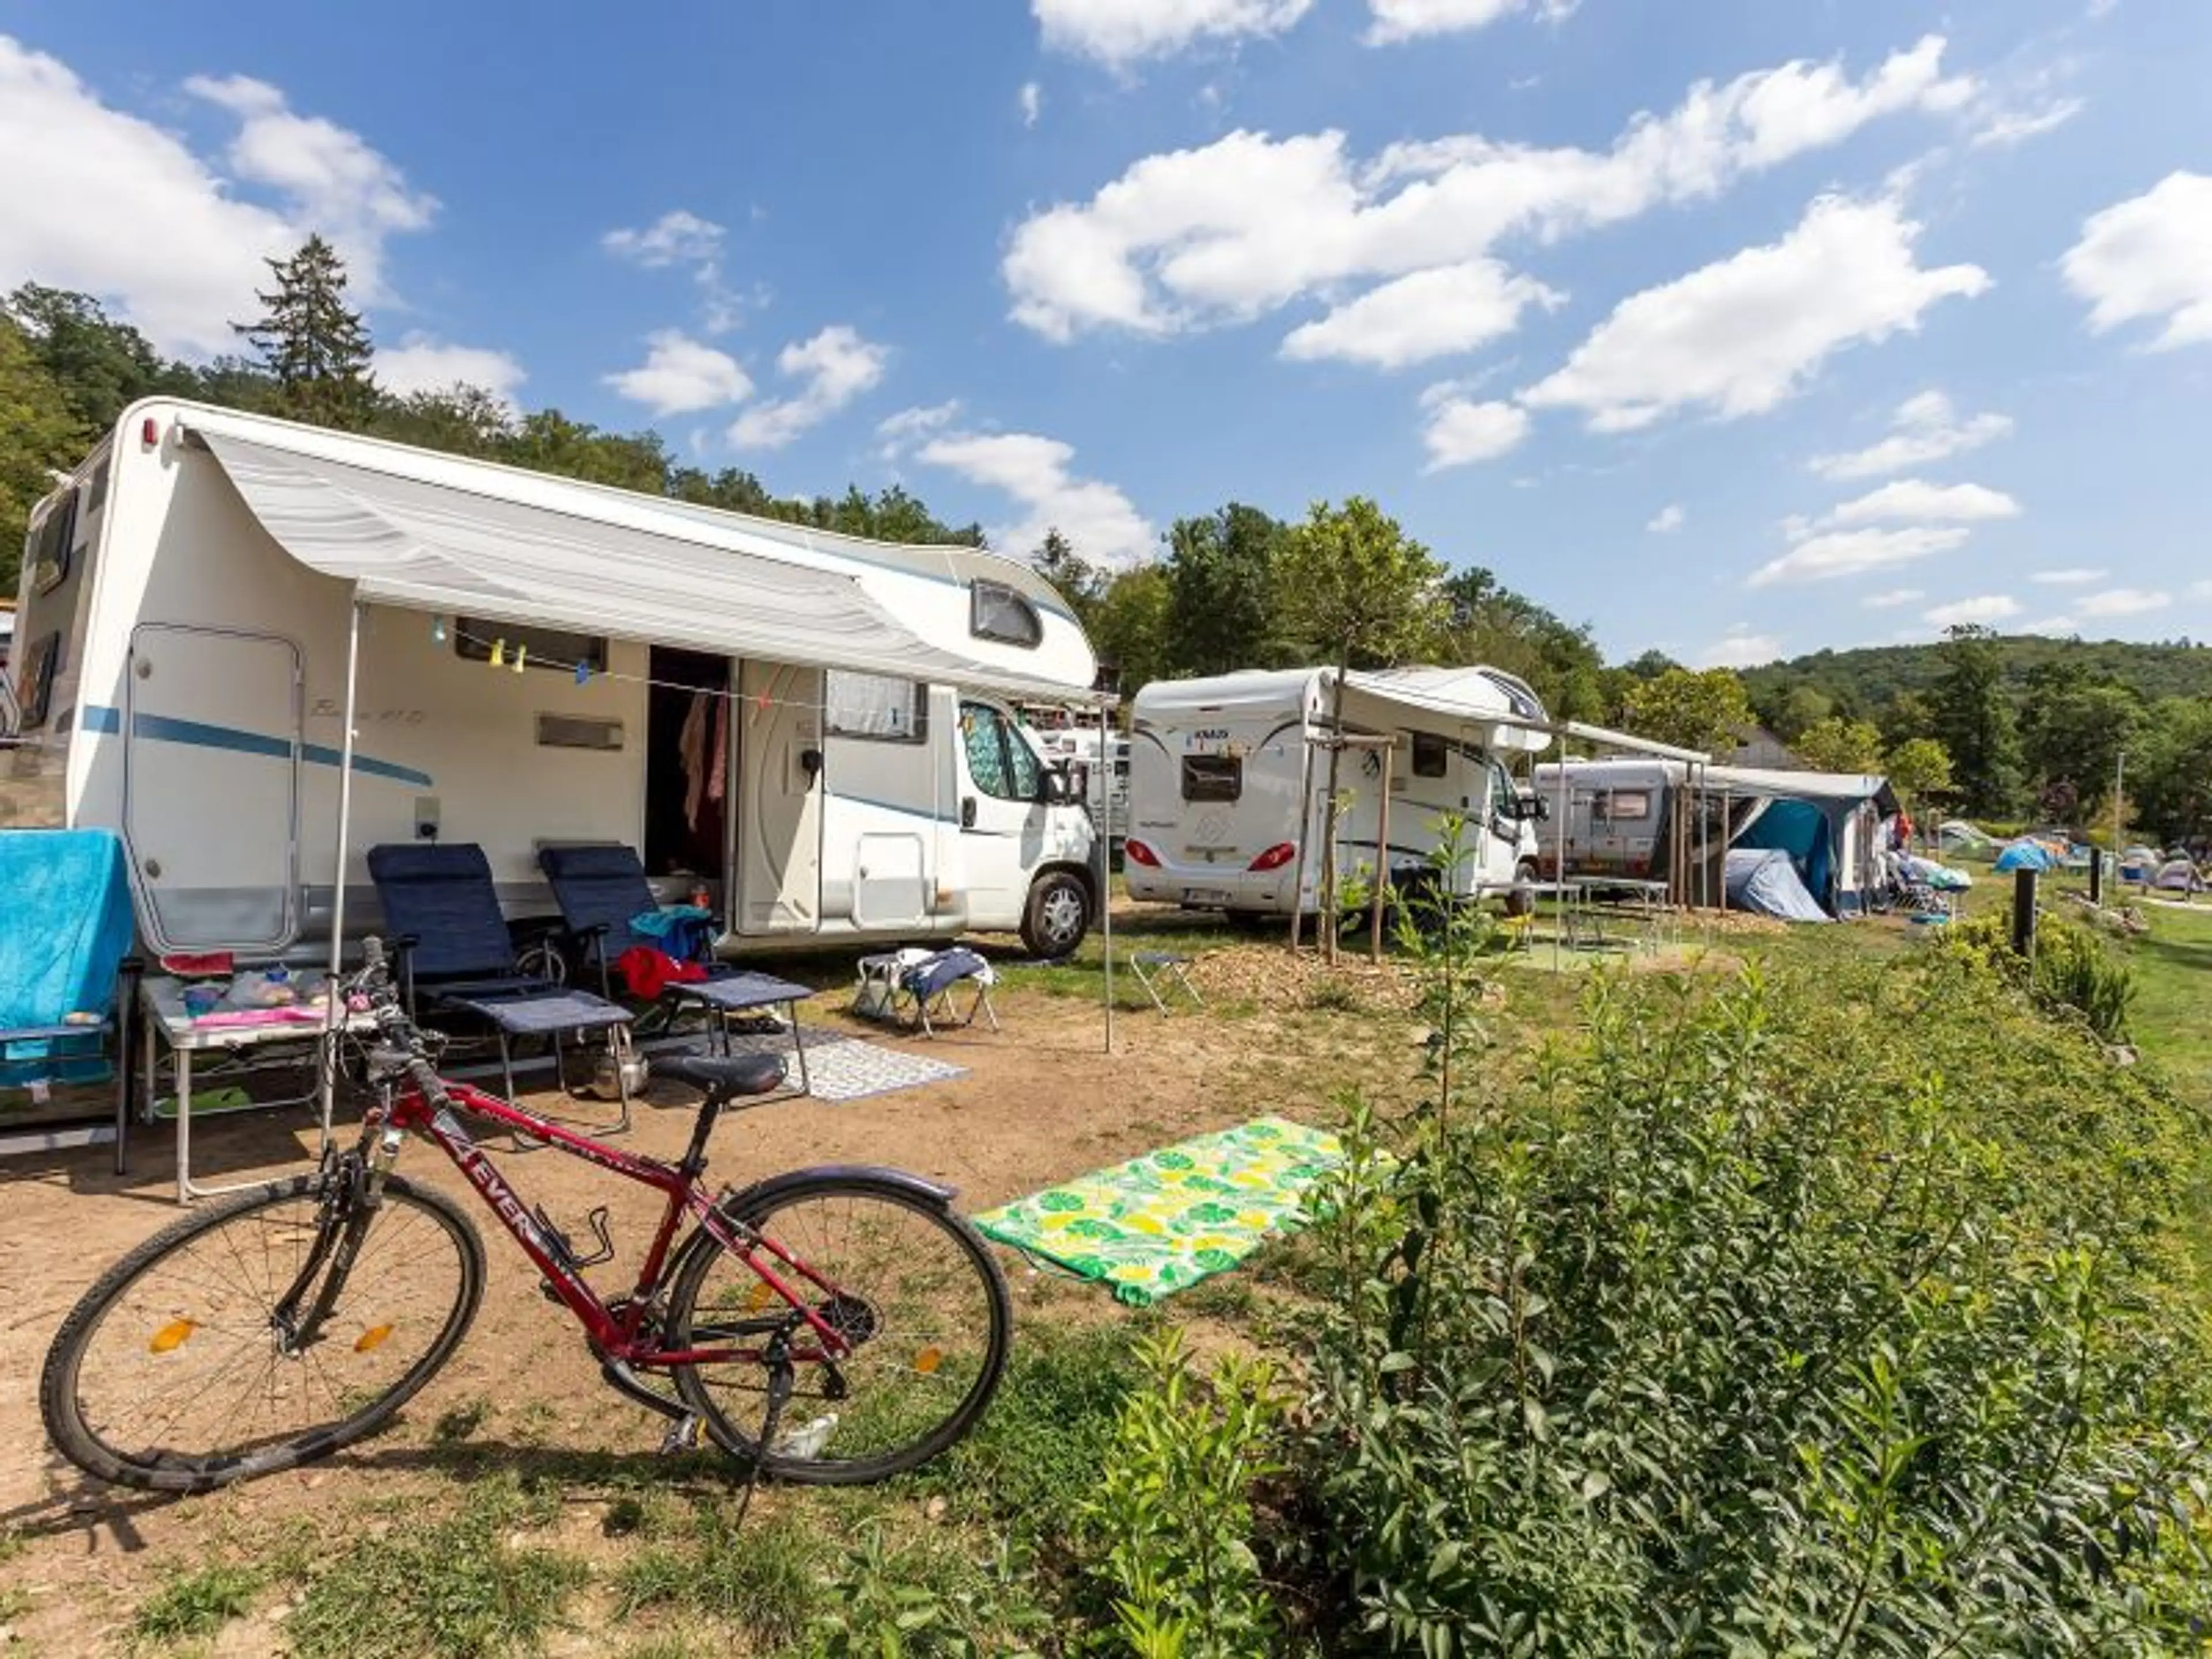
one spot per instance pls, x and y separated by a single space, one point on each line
1828 1315
2072 968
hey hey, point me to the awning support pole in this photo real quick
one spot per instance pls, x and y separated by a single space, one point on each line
1106 860
1559 866
333 1012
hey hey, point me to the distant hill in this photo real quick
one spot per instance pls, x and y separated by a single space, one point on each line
1862 681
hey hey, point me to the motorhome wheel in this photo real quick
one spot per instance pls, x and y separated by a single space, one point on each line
1058 916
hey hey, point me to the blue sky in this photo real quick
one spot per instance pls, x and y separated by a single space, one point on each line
1737 328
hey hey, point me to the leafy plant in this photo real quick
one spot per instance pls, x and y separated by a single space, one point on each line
1173 1509
1814 1316
926 1599
2071 967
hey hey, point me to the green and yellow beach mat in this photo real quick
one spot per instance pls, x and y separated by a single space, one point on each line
1161 1223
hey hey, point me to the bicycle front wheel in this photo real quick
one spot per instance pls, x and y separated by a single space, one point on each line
908 1286
262 1332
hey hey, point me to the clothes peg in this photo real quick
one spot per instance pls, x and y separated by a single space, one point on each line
520 652
498 654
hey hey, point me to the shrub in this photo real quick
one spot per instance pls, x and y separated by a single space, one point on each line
2072 969
1806 1317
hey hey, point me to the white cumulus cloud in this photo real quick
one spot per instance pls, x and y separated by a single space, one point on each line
1238 228
1915 500
1459 431
835 367
420 363
2150 258
1855 552
1890 597
2075 576
1742 335
683 238
96 199
2122 602
682 376
1926 428
1412 20
1985 608
1097 518
1031 99
1430 313
1741 648
1667 520
1120 33
2006 127
900 432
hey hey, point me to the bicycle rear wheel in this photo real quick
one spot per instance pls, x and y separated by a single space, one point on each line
910 1287
264 1332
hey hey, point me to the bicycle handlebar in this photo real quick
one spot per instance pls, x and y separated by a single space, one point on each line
373 986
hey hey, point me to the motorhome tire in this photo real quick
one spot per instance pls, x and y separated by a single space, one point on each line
1520 901
1058 914
1251 921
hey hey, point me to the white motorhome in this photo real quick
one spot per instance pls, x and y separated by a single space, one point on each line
820 729
1077 748
1227 780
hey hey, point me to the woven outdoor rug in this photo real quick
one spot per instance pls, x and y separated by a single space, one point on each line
1161 1223
841 1067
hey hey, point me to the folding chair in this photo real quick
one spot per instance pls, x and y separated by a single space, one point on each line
1152 968
913 988
456 953
602 890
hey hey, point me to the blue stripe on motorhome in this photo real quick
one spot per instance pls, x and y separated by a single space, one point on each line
164 728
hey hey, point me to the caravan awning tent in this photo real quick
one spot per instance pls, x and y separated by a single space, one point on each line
641 570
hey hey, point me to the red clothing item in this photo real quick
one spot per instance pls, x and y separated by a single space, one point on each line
649 972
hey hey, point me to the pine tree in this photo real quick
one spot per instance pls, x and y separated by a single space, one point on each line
313 342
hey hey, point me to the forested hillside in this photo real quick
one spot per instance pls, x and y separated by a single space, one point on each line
1996 726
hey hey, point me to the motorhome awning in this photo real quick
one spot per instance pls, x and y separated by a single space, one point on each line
429 547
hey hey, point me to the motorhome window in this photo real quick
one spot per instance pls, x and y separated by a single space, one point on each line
34 683
50 546
476 638
1431 755
1000 760
1212 777
877 706
95 492
995 611
1621 805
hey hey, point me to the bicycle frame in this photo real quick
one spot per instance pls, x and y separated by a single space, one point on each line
618 1332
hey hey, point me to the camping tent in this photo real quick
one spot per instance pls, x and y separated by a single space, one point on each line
2025 855
2177 876
1765 881
1957 832
1829 822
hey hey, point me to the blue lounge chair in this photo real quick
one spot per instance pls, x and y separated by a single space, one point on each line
456 953
602 889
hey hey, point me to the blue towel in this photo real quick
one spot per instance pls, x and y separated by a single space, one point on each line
64 930
685 931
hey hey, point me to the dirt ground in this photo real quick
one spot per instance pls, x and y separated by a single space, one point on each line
1040 1102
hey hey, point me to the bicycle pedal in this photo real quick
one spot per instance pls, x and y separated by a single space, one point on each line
682 1436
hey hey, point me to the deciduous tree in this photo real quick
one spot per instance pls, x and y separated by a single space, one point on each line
1973 720
1833 744
1693 709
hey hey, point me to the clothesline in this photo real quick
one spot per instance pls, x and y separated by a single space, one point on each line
499 658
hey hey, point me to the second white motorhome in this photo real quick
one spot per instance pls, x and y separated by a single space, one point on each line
1227 777
819 730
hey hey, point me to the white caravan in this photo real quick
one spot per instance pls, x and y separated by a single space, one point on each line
818 729
1227 778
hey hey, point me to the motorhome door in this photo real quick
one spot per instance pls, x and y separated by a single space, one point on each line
781 760
212 725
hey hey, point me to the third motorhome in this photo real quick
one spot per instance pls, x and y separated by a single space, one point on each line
1227 777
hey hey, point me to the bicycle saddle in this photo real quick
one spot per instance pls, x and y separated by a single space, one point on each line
724 1078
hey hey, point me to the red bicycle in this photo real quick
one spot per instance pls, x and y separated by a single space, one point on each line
831 1326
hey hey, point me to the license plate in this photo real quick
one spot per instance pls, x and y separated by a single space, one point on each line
1205 896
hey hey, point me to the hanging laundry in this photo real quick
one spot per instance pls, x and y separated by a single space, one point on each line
716 773
691 746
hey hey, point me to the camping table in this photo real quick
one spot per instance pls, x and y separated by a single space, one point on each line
1646 905
169 1026
1563 893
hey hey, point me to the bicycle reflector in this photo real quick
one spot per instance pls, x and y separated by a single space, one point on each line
1276 856
1137 853
372 1338
928 1360
171 1336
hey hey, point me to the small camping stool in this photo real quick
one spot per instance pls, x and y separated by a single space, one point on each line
913 988
1152 967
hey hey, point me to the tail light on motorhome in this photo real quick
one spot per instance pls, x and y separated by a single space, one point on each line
1137 853
1276 856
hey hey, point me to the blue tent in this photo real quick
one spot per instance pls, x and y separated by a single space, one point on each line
1765 881
2025 855
1800 829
